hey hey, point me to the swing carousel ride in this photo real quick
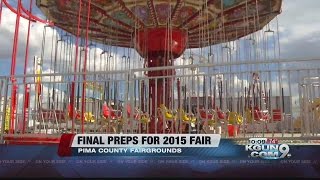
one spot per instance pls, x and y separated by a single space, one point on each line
154 87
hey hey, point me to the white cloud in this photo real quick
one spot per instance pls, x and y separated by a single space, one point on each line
298 18
7 28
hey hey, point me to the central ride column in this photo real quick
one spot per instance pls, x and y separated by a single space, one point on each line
160 90
155 46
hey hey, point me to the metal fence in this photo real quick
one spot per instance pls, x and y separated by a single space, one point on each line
261 99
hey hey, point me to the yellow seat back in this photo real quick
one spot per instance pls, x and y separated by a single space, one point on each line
240 119
211 122
89 117
183 115
166 112
235 118
144 119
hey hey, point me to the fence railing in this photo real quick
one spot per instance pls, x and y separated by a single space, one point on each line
263 100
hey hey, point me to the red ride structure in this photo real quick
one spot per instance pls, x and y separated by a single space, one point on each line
159 30
157 50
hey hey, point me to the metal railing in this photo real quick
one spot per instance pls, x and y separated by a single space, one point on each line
239 101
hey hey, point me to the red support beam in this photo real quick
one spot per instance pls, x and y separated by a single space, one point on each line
15 41
83 98
26 88
25 107
13 70
13 112
16 11
176 9
72 113
152 12
30 15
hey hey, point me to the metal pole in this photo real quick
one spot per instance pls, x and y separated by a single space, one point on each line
26 93
13 68
5 95
83 98
179 104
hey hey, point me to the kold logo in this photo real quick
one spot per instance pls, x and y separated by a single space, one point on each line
260 147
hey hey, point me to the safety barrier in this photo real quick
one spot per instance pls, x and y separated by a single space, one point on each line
235 102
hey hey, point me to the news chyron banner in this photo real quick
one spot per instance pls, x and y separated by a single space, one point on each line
137 144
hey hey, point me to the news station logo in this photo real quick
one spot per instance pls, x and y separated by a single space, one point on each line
267 148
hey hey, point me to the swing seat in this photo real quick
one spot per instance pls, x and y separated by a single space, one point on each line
211 122
136 116
255 124
187 117
235 118
51 114
169 117
61 115
111 118
71 115
167 113
139 117
233 130
276 115
78 116
221 115
260 116
208 118
144 119
187 120
205 115
110 113
70 112
89 117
